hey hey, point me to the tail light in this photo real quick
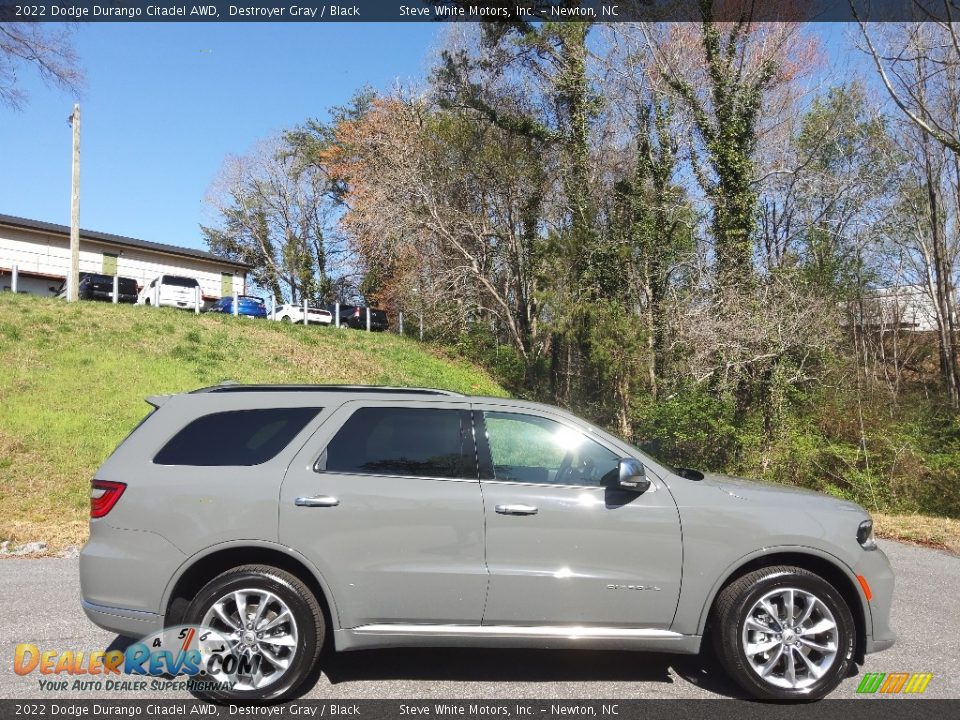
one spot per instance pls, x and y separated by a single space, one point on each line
103 496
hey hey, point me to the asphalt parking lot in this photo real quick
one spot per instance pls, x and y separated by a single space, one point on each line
40 603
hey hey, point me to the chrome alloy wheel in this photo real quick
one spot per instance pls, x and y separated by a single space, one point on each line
790 638
261 633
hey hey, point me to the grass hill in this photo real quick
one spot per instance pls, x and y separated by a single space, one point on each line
73 378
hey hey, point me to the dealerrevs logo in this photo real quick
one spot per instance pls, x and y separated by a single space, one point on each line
199 653
894 683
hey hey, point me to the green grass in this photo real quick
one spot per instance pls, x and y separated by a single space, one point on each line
73 379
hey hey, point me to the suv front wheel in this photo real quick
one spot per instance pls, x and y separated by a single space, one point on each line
270 621
784 633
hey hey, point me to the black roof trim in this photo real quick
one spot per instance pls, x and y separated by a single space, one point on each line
118 240
368 389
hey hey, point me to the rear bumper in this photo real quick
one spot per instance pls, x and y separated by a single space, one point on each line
123 575
361 324
108 296
122 621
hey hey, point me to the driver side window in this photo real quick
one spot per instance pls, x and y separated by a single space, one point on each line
531 449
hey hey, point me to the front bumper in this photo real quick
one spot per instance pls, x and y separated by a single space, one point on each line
875 568
875 646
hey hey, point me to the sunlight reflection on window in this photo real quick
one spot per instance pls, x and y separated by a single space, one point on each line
567 439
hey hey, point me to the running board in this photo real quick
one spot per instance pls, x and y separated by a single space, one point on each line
572 632
531 636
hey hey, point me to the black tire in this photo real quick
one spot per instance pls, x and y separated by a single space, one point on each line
304 607
286 319
732 608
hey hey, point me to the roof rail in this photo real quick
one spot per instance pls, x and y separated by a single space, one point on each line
232 387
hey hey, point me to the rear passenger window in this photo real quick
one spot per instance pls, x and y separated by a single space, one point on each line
235 437
413 442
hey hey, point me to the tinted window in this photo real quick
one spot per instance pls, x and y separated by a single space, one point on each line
179 281
236 437
92 277
531 449
418 442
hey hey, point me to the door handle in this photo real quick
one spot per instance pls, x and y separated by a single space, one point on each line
516 509
316 501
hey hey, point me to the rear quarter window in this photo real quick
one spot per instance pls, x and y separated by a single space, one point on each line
235 437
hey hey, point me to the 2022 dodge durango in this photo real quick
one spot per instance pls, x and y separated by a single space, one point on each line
282 517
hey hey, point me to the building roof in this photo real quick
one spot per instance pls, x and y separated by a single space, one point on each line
110 239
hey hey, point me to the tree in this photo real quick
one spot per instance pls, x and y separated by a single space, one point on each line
828 189
277 212
919 65
532 80
445 206
653 210
46 48
725 74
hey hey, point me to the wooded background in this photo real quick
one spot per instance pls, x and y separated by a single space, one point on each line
709 237
678 231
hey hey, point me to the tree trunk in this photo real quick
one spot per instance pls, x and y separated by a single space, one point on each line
942 284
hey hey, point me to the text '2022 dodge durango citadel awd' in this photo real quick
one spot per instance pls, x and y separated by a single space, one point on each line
283 516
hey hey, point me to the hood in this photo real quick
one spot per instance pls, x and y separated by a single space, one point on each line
774 494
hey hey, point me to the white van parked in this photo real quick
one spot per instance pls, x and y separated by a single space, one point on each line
171 291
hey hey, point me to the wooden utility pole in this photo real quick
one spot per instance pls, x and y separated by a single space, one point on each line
74 278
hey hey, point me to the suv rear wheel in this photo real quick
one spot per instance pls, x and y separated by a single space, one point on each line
268 618
784 633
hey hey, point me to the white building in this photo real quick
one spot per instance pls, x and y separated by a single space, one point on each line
907 307
41 252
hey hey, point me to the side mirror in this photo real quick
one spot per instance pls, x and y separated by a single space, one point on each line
633 476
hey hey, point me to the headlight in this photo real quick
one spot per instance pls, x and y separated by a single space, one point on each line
865 535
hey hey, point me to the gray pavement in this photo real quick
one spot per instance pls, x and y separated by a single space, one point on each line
40 603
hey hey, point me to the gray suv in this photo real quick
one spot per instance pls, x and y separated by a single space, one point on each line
284 517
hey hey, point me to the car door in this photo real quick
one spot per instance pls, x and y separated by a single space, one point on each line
385 501
564 546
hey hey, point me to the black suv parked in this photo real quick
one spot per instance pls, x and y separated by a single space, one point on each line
355 316
94 286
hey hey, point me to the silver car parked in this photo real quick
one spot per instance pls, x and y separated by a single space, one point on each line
284 517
